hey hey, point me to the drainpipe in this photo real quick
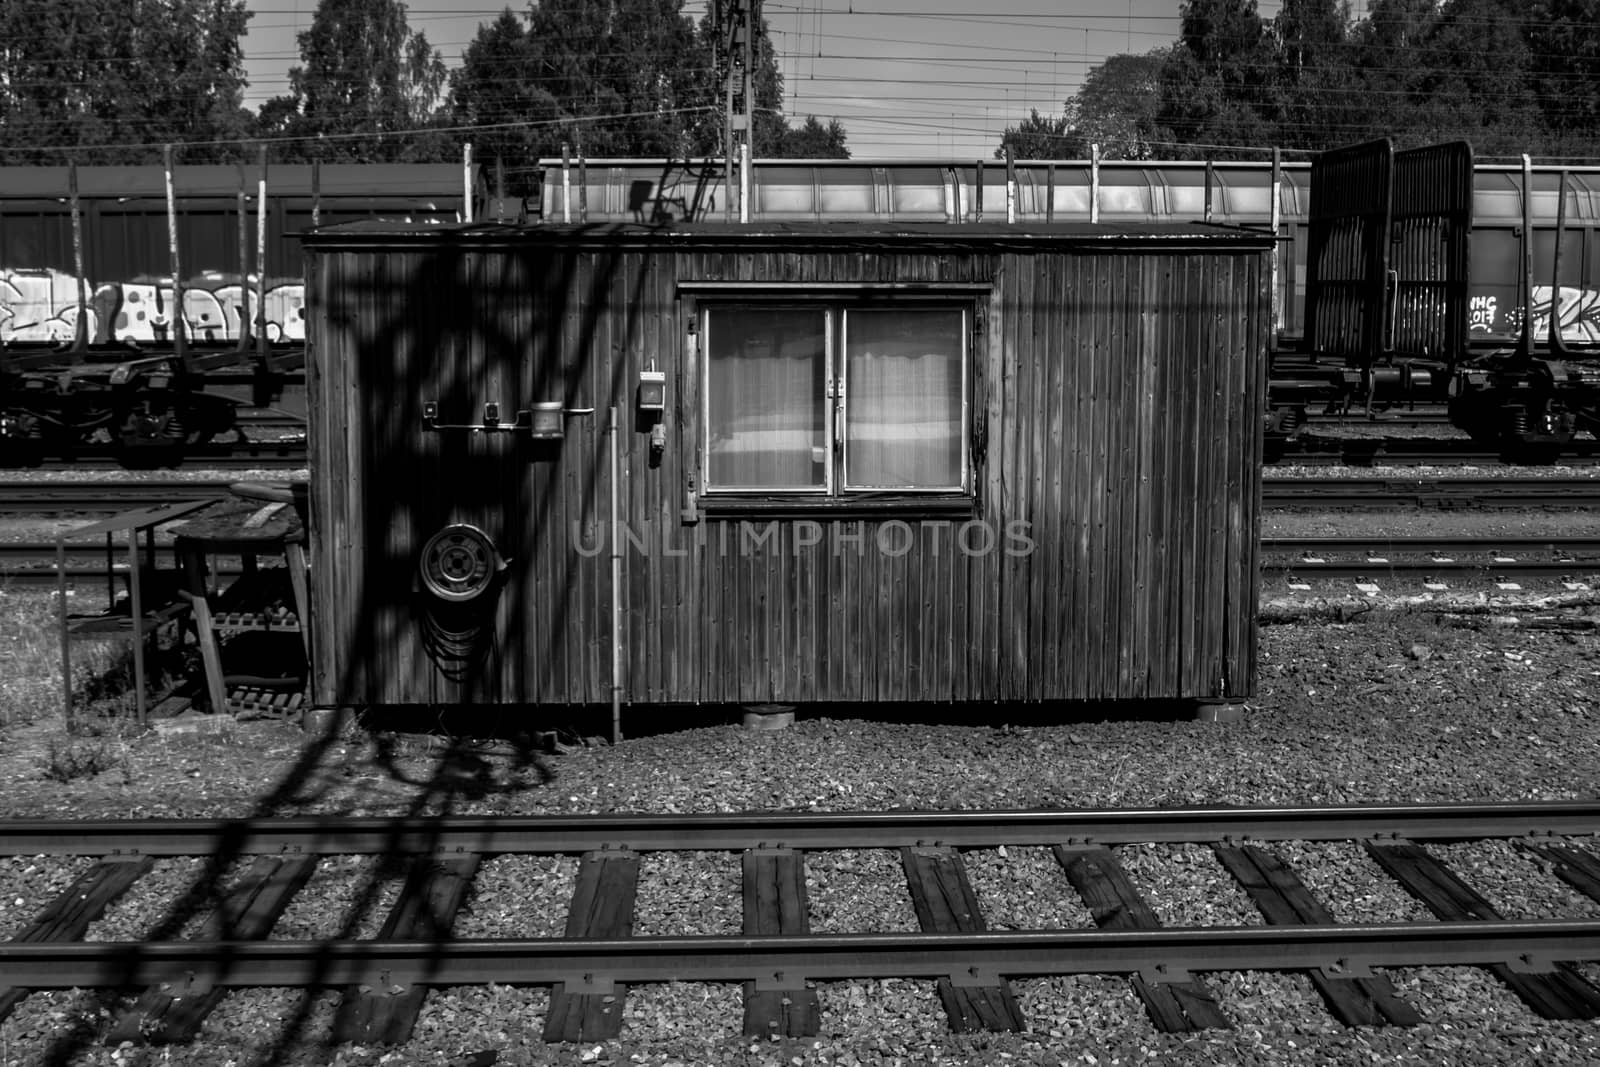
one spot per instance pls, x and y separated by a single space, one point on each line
616 586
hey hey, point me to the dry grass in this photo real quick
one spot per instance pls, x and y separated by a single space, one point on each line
30 651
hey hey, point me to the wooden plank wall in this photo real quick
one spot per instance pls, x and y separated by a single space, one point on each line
1118 396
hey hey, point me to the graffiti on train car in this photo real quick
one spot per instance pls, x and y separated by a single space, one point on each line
1580 314
42 305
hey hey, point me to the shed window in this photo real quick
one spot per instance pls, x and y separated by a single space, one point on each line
834 400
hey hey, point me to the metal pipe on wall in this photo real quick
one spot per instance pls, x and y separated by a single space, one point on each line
616 585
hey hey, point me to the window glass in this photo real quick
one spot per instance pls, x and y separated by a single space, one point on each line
904 398
767 371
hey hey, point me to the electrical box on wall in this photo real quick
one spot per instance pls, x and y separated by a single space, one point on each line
545 420
652 395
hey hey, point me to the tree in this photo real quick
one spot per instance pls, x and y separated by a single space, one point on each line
1425 75
1212 87
772 137
1317 98
366 91
123 78
1564 39
813 140
615 78
1117 106
603 77
496 90
1042 137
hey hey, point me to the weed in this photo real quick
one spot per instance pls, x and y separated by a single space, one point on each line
69 759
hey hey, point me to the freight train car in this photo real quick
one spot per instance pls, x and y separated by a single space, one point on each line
784 463
122 380
1431 278
139 307
1504 226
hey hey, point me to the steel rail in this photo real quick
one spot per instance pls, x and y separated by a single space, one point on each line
103 497
288 454
785 962
1505 556
548 834
1423 545
1455 493
44 497
1408 452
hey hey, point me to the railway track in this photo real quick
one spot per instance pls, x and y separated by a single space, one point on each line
1423 557
784 965
33 562
1311 448
1474 494
288 453
102 497
110 495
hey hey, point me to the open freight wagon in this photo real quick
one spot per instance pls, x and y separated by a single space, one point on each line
792 463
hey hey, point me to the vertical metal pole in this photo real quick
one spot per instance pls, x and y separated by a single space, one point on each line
744 182
177 275
80 329
751 13
1011 188
66 638
1277 221
136 606
1050 197
1094 183
1557 342
977 194
1525 342
261 251
244 259
466 182
616 585
583 184
566 183
1209 176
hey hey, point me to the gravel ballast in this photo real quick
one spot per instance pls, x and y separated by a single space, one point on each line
1401 703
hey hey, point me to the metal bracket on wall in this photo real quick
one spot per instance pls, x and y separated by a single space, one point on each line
542 420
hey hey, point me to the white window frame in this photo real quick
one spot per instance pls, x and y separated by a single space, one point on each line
842 400
836 310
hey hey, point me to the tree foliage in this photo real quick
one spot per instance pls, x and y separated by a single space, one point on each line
1041 137
121 79
1116 108
1510 76
614 78
368 88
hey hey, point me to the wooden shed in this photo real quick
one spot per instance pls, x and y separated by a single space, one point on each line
784 463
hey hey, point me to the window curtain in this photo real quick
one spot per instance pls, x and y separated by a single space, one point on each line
767 370
903 395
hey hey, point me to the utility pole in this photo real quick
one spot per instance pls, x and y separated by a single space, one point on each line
735 23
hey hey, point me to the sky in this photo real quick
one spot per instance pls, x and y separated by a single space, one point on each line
907 78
